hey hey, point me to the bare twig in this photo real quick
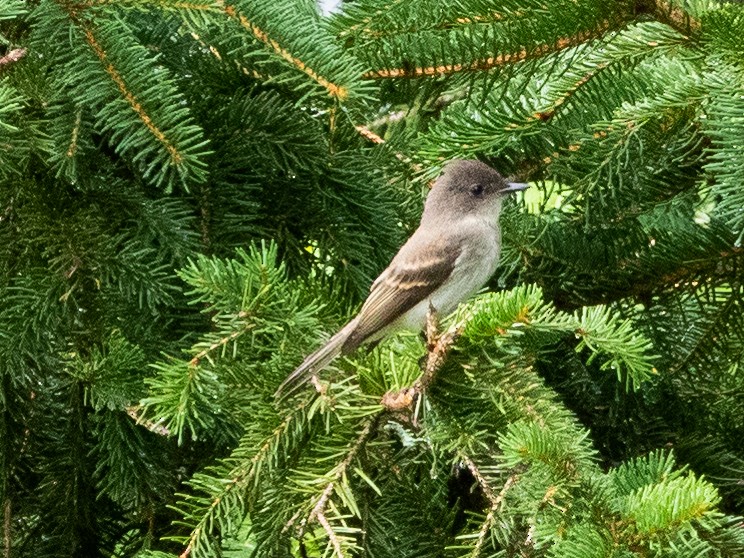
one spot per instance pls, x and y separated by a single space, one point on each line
331 535
13 56
494 499
135 412
439 346
318 511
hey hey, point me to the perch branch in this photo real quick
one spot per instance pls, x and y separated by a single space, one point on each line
13 56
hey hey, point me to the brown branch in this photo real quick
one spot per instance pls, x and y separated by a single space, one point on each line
494 499
439 346
331 534
337 91
491 62
318 511
135 412
674 16
7 525
118 79
369 135
130 98
13 56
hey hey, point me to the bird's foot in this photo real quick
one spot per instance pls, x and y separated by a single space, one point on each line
432 328
399 400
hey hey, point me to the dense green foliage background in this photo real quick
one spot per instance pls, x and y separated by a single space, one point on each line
194 194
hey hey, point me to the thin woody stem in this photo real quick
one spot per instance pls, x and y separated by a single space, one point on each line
135 412
318 511
674 16
13 56
331 535
498 60
439 348
7 524
494 499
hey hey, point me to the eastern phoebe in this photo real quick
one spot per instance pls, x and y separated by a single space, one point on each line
449 257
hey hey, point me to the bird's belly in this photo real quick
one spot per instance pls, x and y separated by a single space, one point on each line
465 281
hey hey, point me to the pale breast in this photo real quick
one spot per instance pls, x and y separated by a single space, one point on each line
474 267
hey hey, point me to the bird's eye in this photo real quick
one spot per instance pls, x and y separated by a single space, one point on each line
477 190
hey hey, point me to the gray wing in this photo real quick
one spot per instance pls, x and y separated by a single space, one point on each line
417 271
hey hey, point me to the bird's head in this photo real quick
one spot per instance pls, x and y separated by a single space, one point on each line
469 187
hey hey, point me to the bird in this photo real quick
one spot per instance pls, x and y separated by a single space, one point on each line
449 257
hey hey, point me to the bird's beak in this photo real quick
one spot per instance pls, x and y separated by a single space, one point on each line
515 186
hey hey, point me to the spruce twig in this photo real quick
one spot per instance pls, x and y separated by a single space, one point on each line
494 499
13 56
318 511
499 60
674 16
439 346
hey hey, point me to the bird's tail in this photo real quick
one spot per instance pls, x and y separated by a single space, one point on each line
315 362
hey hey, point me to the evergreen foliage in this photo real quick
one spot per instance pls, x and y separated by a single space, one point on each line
195 194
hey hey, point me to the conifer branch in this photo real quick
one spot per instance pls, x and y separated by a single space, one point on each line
549 113
214 51
673 15
196 360
642 288
439 346
369 135
72 149
240 477
482 482
323 520
338 92
491 17
135 412
175 156
7 525
339 472
388 118
13 56
722 318
485 64
162 4
205 217
369 19
494 499
675 279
